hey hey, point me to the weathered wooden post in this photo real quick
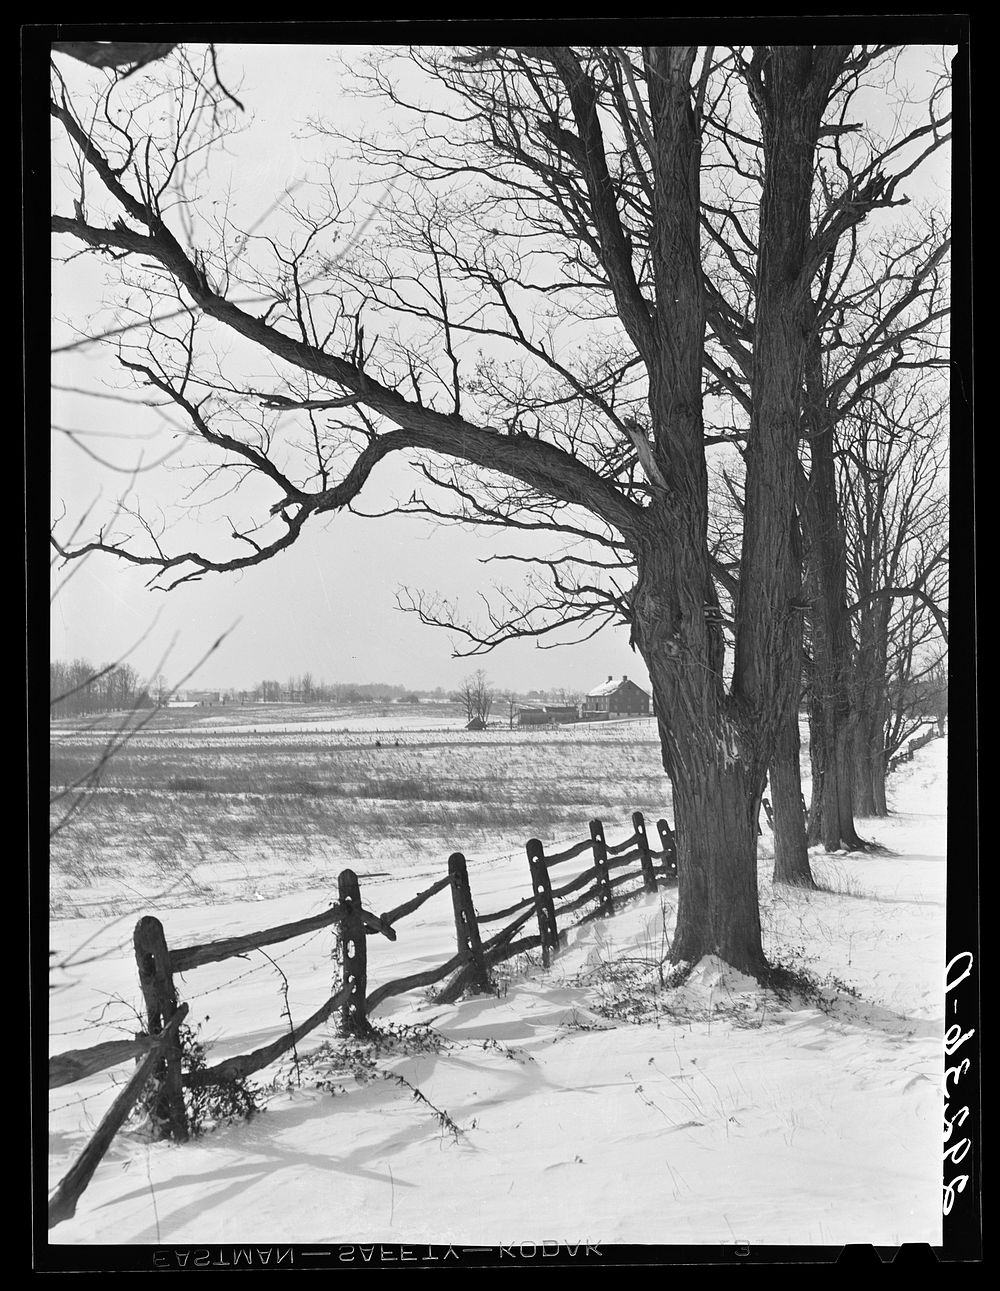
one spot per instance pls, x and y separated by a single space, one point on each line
152 959
645 859
354 951
541 887
467 925
667 844
605 896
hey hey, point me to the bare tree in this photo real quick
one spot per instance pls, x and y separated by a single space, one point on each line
125 57
875 310
896 526
477 695
555 192
509 698
890 339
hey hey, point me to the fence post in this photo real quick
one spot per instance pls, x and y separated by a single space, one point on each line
152 959
354 951
466 923
541 887
607 901
667 844
645 860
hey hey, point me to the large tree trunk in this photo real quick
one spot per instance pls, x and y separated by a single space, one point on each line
716 798
717 747
871 711
831 819
869 764
768 613
880 768
864 770
831 816
791 856
716 829
676 624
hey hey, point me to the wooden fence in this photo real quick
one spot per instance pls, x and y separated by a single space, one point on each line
159 1051
931 733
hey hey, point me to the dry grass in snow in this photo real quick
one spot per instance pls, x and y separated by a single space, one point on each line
219 815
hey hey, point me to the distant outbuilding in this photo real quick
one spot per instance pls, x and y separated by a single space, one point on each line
546 714
477 724
622 698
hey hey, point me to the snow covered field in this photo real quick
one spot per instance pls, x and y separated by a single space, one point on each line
212 814
580 1102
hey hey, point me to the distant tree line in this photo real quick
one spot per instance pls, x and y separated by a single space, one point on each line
306 689
477 690
80 687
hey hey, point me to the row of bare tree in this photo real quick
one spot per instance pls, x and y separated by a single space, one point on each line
307 689
79 687
604 286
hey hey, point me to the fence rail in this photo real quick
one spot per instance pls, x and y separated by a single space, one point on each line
160 1050
77 1064
912 746
62 1202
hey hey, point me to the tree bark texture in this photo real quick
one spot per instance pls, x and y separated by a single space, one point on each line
869 765
791 857
871 710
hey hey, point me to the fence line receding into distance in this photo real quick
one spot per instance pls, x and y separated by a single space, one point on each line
159 1051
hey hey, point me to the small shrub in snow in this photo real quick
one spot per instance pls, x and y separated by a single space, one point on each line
221 1103
206 1106
792 982
443 1119
337 1062
346 1059
633 984
495 1046
508 970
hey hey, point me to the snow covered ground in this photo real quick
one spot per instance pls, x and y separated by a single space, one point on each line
579 1103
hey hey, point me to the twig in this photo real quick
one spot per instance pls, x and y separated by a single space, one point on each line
286 1012
152 1194
443 1119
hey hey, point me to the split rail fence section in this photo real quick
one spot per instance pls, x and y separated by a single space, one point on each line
159 1052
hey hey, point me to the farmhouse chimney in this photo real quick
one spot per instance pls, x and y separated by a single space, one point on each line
610 678
624 678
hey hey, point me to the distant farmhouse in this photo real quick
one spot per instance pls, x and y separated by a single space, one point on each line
622 698
615 699
196 698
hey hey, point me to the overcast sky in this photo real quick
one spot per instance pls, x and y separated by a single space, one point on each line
327 605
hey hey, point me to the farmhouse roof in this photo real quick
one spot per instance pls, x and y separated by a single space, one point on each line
610 686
